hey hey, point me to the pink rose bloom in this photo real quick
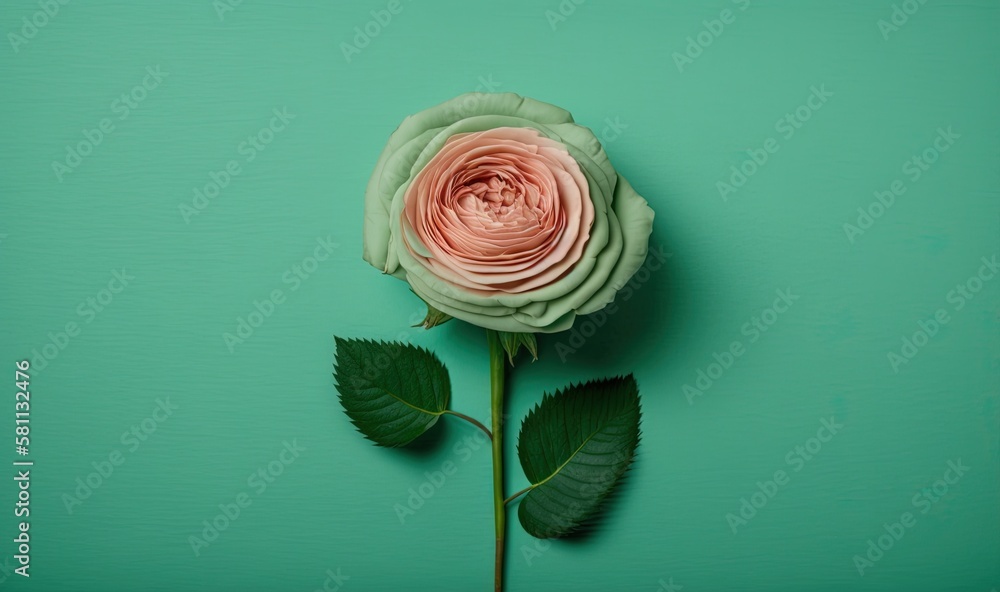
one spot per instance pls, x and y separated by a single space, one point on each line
501 211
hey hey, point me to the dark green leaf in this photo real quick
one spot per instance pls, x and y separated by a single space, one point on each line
574 447
512 343
393 392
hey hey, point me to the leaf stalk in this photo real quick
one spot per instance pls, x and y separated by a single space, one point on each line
518 494
485 429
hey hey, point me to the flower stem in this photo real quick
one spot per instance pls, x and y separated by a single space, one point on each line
497 368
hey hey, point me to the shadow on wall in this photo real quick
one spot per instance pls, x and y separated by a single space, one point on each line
644 323
640 324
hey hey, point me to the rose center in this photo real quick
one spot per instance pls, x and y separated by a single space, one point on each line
498 200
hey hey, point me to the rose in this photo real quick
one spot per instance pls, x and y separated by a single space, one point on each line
501 211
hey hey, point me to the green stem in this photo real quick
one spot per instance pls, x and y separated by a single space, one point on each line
497 368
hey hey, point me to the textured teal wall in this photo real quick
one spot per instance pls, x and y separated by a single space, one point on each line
160 101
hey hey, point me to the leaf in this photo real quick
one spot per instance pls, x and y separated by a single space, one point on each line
393 392
574 448
512 343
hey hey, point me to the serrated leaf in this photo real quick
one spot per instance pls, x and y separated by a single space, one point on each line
574 447
393 392
512 343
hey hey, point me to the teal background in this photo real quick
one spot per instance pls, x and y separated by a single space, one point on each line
677 133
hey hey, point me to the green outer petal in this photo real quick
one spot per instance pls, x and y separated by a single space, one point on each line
636 219
496 318
584 140
402 160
